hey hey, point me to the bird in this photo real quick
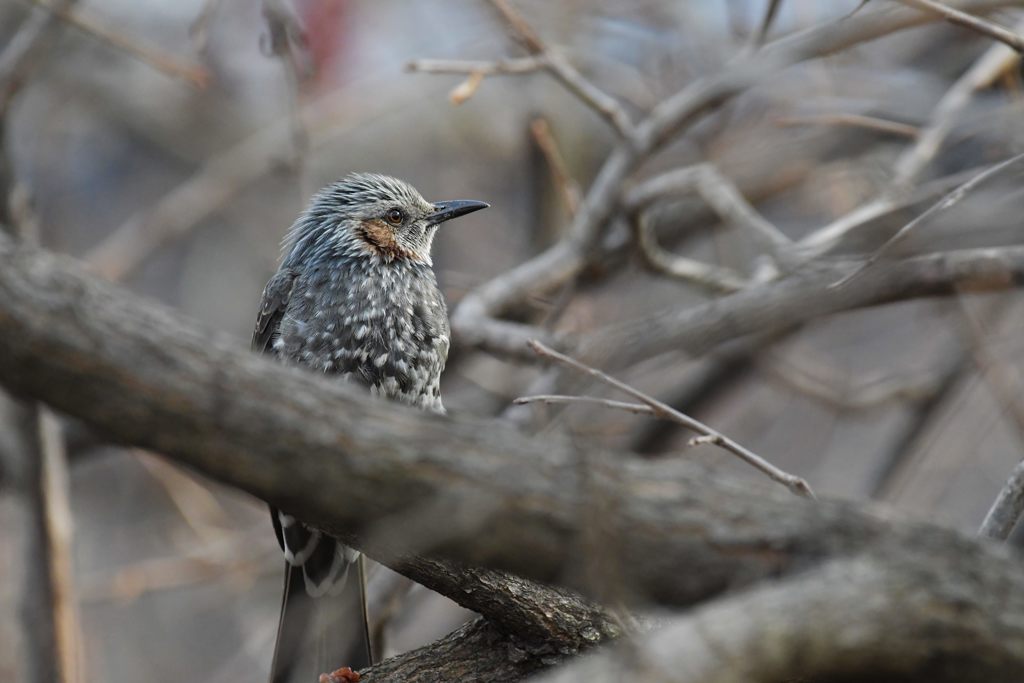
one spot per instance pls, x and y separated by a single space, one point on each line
355 297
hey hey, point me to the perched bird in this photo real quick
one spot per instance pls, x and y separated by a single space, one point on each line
356 298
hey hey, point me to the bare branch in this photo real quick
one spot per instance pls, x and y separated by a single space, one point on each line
720 194
476 651
977 24
512 65
943 204
636 408
854 619
45 598
915 158
568 188
912 162
795 484
804 296
851 120
1007 509
604 104
660 260
476 71
24 49
56 498
192 74
474 320
413 483
759 36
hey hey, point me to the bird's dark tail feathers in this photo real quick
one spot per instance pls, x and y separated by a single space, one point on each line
319 635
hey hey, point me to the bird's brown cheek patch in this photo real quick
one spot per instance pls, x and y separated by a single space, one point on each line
380 239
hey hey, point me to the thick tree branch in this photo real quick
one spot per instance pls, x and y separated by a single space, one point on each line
395 482
924 617
807 295
539 617
478 651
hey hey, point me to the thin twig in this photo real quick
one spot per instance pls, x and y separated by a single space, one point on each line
56 498
912 162
193 74
635 408
771 11
601 102
982 26
853 121
915 158
1007 509
795 484
497 67
943 204
719 192
23 50
476 71
660 260
37 613
568 188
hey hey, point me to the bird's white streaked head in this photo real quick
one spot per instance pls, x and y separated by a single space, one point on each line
372 216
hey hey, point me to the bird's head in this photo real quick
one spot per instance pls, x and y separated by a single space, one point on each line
372 216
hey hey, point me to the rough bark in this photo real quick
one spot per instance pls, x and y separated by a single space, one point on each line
478 651
919 616
401 484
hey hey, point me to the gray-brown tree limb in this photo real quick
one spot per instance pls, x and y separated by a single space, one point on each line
21 469
527 626
476 651
806 295
925 616
400 484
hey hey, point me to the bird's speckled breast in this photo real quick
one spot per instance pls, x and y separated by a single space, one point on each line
384 326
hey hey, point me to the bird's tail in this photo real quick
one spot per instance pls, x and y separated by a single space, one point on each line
317 635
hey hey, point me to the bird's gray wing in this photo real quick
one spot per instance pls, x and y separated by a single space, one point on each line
272 308
315 634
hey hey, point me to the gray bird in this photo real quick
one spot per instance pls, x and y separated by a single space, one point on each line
356 298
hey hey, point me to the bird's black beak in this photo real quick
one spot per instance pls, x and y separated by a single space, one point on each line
445 211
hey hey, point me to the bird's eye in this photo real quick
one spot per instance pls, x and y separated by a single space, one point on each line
395 217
